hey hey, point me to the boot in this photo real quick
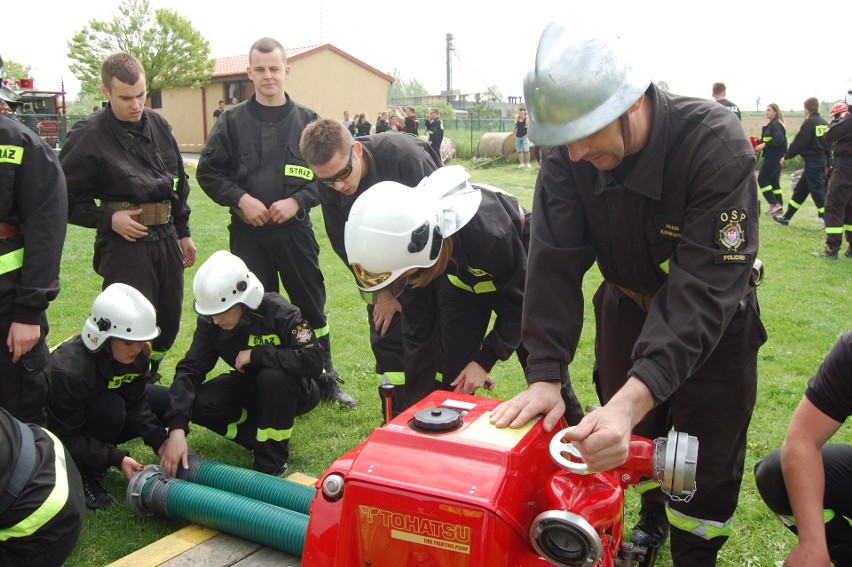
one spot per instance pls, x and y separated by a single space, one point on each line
97 497
650 532
828 253
330 380
848 252
332 392
271 457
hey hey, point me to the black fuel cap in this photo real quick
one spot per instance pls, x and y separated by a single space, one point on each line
437 420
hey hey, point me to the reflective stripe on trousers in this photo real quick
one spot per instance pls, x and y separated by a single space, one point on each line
705 529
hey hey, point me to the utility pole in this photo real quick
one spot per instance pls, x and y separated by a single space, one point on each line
449 68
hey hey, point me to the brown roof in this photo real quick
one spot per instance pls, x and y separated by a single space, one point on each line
236 65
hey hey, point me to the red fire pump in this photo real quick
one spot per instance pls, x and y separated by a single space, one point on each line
440 486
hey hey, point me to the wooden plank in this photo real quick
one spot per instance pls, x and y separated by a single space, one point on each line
268 557
300 478
164 549
224 549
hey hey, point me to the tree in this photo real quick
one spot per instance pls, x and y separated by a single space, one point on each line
494 94
401 88
171 51
662 85
15 70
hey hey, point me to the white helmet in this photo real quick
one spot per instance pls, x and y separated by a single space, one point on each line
848 98
120 312
223 281
579 84
393 228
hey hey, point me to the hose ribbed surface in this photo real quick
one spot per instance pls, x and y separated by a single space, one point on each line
249 483
235 514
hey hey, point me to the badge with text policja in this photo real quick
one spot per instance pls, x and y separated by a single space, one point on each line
731 236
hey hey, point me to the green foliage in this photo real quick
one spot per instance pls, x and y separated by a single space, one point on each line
402 88
15 70
84 104
171 51
662 85
804 308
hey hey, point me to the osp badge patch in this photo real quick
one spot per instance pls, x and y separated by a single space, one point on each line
731 236
303 333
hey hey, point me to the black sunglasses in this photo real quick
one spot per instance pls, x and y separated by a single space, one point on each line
340 175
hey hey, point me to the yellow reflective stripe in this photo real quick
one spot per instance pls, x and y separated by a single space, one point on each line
777 191
175 184
274 434
790 520
847 227
705 529
321 332
794 204
11 154
767 139
120 380
54 502
231 432
766 189
11 261
298 171
665 266
820 130
834 230
439 377
260 340
645 486
395 378
480 287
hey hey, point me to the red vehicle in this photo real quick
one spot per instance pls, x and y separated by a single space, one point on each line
41 111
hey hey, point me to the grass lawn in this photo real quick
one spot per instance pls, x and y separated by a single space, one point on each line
805 308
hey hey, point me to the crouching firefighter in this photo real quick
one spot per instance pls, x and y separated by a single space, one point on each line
41 497
276 359
99 389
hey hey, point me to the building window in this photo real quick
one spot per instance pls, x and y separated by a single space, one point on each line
156 96
233 93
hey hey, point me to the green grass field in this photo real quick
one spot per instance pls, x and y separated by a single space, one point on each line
805 309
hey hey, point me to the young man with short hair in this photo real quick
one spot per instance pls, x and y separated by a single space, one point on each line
346 168
127 158
251 163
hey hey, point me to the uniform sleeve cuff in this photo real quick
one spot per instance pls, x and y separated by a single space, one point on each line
547 372
486 359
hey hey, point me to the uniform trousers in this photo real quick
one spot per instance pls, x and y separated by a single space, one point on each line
838 204
155 269
23 385
812 181
837 466
769 180
389 353
714 404
256 410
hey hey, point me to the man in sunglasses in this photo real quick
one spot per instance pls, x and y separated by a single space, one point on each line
345 168
251 163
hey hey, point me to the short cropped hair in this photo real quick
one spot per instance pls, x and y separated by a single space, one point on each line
121 66
323 139
267 45
812 105
719 88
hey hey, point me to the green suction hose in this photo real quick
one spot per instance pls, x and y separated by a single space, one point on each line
152 491
249 483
